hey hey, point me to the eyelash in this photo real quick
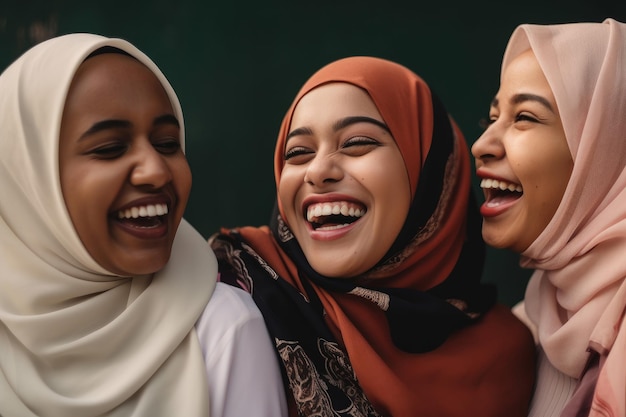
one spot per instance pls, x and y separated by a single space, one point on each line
109 151
520 117
359 141
165 146
351 142
296 151
485 122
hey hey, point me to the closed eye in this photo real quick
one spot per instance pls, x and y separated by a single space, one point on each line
167 146
296 152
524 117
360 141
359 145
109 151
485 122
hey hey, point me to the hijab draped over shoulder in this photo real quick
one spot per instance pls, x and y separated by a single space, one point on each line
75 339
577 296
416 335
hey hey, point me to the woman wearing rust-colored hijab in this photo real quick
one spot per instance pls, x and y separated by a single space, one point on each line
368 275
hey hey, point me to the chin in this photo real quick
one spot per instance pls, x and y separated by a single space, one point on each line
495 243
327 269
148 267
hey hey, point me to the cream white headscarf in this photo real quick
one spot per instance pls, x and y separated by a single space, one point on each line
577 296
76 340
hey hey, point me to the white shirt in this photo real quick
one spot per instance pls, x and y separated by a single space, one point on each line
241 363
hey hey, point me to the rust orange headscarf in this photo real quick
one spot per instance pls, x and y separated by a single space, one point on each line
406 105
417 334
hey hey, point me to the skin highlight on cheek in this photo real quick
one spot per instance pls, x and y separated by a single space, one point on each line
335 186
523 158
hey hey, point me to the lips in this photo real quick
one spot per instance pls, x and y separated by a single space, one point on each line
334 215
499 196
144 218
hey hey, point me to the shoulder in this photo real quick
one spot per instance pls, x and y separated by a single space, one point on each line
228 308
239 357
502 319
230 319
520 312
499 331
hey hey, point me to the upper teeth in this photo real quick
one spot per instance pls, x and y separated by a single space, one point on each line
326 209
149 210
501 185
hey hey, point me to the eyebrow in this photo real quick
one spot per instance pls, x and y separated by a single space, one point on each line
166 119
340 124
520 98
117 124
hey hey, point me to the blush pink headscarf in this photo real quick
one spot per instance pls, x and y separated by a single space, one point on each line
577 296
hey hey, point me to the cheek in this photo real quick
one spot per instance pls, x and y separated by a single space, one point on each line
88 201
389 184
557 179
88 192
545 172
288 186
181 173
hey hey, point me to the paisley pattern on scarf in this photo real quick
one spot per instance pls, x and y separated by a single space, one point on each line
417 329
308 382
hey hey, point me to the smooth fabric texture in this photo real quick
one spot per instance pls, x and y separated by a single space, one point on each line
367 353
576 298
240 361
75 339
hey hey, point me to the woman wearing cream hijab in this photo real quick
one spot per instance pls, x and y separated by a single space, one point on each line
557 139
103 286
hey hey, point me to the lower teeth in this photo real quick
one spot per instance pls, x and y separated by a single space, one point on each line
337 226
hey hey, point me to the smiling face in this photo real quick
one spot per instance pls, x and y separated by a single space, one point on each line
522 158
344 188
124 177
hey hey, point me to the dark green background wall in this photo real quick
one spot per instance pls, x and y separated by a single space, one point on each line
236 65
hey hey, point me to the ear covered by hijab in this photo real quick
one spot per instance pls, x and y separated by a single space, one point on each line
437 164
394 339
433 238
77 339
577 295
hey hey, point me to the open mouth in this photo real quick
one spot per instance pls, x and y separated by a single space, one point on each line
148 216
329 216
499 192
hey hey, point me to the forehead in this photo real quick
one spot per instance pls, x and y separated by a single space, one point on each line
524 70
334 100
111 70
114 85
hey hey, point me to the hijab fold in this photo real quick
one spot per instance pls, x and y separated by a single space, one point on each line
76 339
577 296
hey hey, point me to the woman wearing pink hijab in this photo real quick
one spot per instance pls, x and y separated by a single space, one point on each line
552 163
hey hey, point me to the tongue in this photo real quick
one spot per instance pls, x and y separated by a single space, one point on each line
334 220
503 199
144 222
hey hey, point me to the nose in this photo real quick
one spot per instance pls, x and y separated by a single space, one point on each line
150 168
488 146
323 169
